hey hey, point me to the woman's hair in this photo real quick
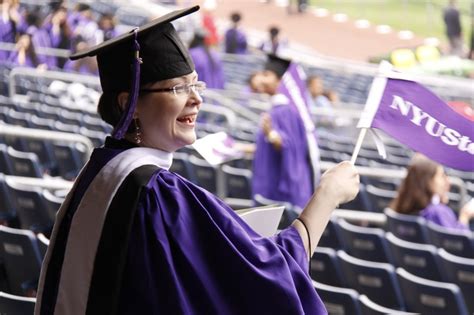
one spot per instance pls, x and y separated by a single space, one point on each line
110 111
415 192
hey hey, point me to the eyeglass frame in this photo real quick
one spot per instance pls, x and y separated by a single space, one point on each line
189 87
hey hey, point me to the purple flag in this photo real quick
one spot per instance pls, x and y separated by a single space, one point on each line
415 116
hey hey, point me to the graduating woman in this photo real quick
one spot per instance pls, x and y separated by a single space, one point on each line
134 238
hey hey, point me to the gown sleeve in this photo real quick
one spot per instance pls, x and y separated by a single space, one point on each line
189 253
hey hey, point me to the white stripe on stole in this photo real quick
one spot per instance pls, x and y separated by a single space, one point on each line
86 226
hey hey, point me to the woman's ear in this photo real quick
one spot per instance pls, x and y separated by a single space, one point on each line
122 99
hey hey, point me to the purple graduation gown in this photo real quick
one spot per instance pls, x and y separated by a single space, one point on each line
235 42
211 72
286 174
442 215
170 247
7 35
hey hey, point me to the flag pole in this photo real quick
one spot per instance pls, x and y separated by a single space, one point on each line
373 100
358 145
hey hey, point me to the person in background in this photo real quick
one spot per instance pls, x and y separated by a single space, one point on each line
133 237
209 24
321 97
235 39
424 192
25 55
87 66
452 22
59 31
207 62
256 82
274 45
282 167
40 39
9 24
107 27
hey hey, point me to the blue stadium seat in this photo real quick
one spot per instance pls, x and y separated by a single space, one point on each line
459 270
31 208
325 267
5 161
419 259
364 242
21 258
376 280
53 203
338 300
369 307
331 237
379 198
7 209
457 242
204 174
43 243
237 182
430 297
69 158
44 152
25 163
16 305
410 228
182 166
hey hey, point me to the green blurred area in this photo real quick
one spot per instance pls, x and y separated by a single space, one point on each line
422 17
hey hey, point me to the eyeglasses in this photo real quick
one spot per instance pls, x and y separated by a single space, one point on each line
181 89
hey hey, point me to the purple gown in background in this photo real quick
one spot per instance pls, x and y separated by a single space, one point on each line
235 42
40 38
283 175
210 71
442 215
187 253
7 35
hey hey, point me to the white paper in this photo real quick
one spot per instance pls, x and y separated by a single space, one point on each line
263 220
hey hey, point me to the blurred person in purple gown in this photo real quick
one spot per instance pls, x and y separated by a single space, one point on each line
133 237
282 168
424 192
59 31
40 39
9 24
207 62
24 54
235 41
86 65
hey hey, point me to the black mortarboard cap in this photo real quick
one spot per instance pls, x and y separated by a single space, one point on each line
155 45
277 64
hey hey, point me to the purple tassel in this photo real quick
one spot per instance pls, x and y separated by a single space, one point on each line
127 116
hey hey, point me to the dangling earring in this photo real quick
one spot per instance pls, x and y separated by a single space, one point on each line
137 138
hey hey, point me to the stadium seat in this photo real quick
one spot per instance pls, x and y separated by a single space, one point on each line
338 300
325 267
25 163
204 174
379 198
331 237
459 270
21 258
16 305
69 158
7 209
6 167
31 208
430 297
237 182
53 203
427 54
457 242
376 280
43 243
410 228
181 165
364 242
419 259
369 307
43 150
403 58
